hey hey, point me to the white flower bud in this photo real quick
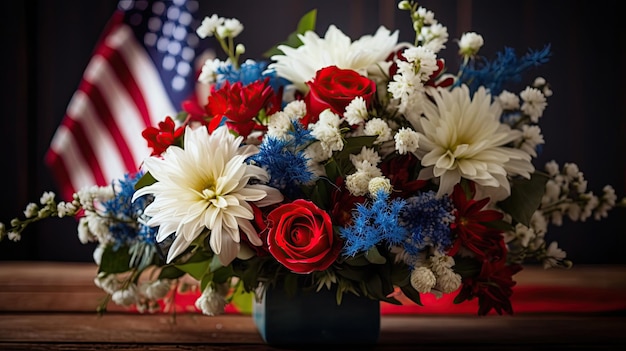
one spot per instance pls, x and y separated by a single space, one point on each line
377 184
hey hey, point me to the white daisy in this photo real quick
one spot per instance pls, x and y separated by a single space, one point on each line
205 185
299 65
462 137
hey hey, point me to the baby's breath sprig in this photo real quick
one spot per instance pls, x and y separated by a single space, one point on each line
47 207
416 18
224 30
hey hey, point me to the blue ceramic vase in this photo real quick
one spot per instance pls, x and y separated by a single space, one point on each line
316 318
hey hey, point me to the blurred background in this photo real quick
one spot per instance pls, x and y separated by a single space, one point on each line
48 44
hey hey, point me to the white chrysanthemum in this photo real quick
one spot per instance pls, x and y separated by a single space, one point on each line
462 137
377 126
326 130
423 279
534 103
205 185
423 59
368 155
299 65
358 182
356 111
377 184
279 125
295 109
407 140
470 43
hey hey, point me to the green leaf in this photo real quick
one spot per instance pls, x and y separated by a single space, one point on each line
306 23
197 266
145 180
115 261
357 261
242 300
373 256
319 193
411 293
222 274
170 272
525 197
206 279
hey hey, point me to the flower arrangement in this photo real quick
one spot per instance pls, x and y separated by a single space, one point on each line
362 166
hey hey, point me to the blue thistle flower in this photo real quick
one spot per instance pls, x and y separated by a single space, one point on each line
285 160
249 72
125 227
507 67
427 219
374 224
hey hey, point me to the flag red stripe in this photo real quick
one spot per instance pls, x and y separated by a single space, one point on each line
86 149
126 79
60 173
105 115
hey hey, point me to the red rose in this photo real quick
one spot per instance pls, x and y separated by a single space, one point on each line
335 88
301 237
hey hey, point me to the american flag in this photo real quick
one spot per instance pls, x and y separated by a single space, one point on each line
142 68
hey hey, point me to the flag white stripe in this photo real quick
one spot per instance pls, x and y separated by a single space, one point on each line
107 154
65 146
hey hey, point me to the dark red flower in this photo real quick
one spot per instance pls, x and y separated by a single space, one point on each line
260 224
470 229
493 287
343 203
398 171
239 105
159 139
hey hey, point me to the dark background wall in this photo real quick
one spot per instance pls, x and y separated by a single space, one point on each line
47 46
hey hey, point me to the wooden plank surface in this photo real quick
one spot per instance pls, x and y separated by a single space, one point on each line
50 306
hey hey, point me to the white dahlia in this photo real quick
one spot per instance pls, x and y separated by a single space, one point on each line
299 65
462 137
205 185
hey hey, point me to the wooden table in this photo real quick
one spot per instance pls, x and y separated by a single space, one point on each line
51 306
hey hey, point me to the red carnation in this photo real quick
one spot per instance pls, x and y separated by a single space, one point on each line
159 139
239 105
